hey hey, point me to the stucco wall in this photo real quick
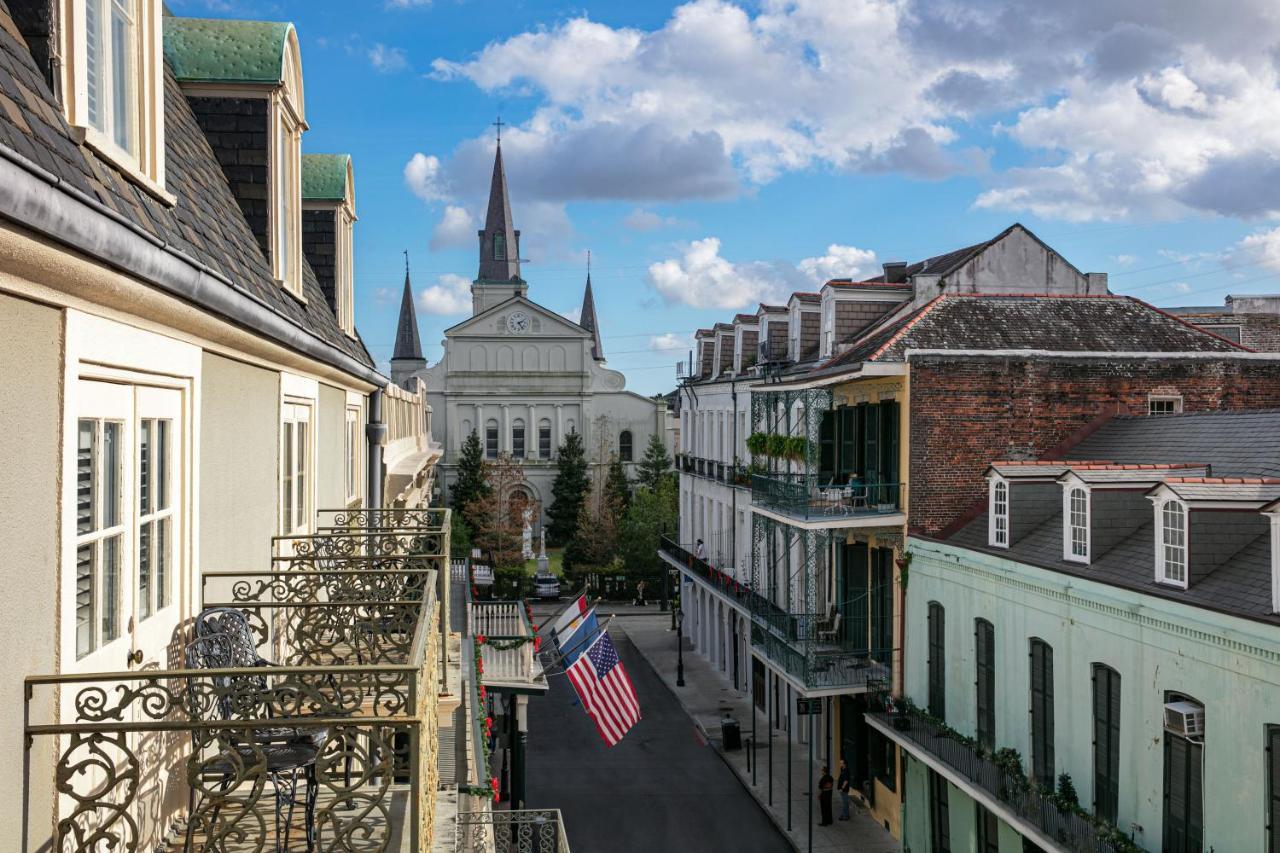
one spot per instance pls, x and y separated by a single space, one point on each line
30 400
1230 664
239 432
331 448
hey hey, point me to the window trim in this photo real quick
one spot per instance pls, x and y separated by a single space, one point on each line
993 516
1176 399
290 412
1162 572
354 455
146 166
629 455
1069 527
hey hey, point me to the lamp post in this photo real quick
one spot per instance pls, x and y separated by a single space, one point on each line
680 647
675 602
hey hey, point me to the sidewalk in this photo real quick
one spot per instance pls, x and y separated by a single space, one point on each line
706 697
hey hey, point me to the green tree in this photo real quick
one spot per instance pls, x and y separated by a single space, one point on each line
594 545
568 492
655 463
459 536
499 527
472 484
617 488
652 513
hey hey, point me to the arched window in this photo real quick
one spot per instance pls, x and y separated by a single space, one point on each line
998 525
491 439
517 438
1171 543
1076 546
499 247
624 445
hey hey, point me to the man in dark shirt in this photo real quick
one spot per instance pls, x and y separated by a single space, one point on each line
842 785
825 784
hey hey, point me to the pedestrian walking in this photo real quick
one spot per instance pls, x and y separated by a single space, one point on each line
842 785
700 551
825 784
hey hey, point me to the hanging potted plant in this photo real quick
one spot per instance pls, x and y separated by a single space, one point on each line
758 444
797 448
777 447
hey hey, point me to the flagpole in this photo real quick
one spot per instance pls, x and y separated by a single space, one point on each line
573 600
588 640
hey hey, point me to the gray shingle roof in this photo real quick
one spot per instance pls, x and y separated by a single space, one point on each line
205 223
1234 444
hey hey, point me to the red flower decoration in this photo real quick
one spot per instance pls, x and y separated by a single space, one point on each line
497 796
480 665
480 640
537 644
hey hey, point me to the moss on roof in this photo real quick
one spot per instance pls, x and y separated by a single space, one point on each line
324 176
213 50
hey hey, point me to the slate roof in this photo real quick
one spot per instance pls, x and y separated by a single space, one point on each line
324 177
207 50
205 223
587 320
1060 323
1237 445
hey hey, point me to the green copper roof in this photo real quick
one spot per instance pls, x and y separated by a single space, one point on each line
208 50
324 176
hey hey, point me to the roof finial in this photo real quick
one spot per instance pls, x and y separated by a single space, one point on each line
406 263
499 125
588 263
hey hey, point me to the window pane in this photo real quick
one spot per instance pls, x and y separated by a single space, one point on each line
86 451
94 61
286 466
111 588
162 464
84 599
304 457
517 442
144 570
144 467
122 101
162 562
112 473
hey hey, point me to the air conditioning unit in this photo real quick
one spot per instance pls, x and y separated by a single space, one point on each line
1185 719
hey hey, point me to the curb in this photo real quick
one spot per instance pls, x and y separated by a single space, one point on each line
711 744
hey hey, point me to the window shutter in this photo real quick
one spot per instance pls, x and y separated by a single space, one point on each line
937 660
984 646
888 444
1106 740
1042 712
847 462
871 444
827 446
1273 789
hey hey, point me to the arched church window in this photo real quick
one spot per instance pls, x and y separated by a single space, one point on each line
491 439
517 438
544 438
624 445
499 247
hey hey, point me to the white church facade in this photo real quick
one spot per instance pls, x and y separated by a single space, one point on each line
522 376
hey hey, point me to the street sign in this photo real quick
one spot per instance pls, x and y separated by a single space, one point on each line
808 706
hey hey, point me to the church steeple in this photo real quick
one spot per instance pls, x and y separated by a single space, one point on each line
587 317
499 241
407 358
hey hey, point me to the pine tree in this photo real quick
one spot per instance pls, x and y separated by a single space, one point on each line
655 463
473 479
569 490
653 512
617 488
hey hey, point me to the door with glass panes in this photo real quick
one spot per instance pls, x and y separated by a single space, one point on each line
128 526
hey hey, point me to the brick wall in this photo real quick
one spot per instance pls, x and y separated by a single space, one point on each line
966 412
1259 332
318 245
237 131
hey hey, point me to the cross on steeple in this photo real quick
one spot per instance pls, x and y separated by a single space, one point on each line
499 124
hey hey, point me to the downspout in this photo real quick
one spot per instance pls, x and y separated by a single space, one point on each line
376 432
733 395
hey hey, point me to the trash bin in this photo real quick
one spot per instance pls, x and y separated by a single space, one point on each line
730 734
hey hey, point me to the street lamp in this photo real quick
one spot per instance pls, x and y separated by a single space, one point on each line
680 647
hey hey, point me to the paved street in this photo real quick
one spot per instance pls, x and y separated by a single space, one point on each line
661 788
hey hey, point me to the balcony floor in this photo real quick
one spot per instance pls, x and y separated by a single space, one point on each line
363 832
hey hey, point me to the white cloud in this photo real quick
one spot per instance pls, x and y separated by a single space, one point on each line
1124 260
641 219
703 279
387 60
1261 248
574 314
451 295
1152 107
455 229
669 341
408 4
422 176
1180 287
839 262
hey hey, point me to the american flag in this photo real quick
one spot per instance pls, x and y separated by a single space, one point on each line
605 690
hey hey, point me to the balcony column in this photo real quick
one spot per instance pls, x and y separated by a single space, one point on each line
531 433
520 739
504 437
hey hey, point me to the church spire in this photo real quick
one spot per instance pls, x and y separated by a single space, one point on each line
587 318
499 241
407 358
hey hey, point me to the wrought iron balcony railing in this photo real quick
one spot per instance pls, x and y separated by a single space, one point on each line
918 734
821 663
522 831
378 520
730 583
808 497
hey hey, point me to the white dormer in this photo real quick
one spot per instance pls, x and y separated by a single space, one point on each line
113 83
1172 525
998 511
1076 520
288 121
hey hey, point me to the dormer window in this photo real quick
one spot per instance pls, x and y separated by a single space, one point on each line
998 511
1171 543
113 83
1075 545
287 124
329 214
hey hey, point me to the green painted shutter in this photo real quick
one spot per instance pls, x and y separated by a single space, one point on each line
1106 741
1042 712
882 605
1273 789
871 443
827 447
847 458
888 450
937 661
984 647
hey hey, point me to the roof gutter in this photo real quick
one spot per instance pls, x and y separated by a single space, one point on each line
862 371
1234 355
75 219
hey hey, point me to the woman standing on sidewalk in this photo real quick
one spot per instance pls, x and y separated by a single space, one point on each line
825 784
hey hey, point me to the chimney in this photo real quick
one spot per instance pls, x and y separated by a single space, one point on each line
895 272
1096 283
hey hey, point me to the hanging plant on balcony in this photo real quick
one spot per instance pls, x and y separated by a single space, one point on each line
758 444
797 448
777 446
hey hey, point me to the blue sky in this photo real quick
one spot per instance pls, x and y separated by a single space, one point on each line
713 154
